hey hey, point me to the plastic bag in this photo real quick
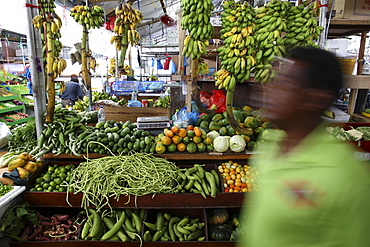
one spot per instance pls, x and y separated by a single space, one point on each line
193 117
219 99
182 118
134 103
4 135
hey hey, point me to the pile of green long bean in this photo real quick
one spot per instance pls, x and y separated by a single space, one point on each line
135 174
4 189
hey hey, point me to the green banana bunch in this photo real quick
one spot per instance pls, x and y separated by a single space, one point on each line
270 26
196 19
239 44
302 28
90 17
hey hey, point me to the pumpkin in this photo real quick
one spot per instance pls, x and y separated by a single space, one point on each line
218 216
220 232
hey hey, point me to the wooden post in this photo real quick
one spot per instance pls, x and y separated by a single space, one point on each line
182 34
50 75
354 92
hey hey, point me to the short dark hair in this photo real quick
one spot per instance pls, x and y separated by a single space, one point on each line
323 68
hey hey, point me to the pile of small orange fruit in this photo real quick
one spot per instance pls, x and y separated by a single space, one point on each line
237 177
191 139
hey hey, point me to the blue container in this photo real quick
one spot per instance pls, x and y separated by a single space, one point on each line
152 86
125 86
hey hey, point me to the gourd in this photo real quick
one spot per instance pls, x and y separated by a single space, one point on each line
218 216
220 232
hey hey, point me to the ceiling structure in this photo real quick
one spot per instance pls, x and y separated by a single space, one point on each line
152 31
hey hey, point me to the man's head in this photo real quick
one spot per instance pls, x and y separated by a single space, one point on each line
306 84
74 78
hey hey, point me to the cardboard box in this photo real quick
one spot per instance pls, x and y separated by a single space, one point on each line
351 9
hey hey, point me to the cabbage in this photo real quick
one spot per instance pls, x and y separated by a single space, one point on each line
221 143
237 143
213 134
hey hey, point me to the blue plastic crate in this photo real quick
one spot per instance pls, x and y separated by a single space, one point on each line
147 86
125 86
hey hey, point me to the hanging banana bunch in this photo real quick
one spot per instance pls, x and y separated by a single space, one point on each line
302 28
91 62
196 20
112 67
236 55
90 17
125 28
52 25
270 25
203 68
49 24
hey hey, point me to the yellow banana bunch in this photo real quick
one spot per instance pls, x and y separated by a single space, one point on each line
196 20
59 65
91 61
90 17
125 25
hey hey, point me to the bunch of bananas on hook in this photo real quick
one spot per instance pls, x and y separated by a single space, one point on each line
125 26
90 17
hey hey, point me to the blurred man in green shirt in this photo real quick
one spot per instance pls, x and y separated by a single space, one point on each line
313 193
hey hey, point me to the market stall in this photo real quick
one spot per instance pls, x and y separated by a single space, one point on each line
163 173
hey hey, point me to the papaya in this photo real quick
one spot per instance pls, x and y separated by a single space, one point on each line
252 145
246 138
224 122
251 122
191 147
201 147
39 163
231 130
223 131
15 164
181 147
204 133
257 131
160 148
204 124
267 125
217 117
247 108
23 156
23 173
215 126
237 116
197 131
30 166
171 148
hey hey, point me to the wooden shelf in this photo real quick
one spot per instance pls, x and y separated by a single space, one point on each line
123 244
357 81
170 156
186 200
346 27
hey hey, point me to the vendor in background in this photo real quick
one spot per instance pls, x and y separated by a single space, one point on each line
124 77
72 92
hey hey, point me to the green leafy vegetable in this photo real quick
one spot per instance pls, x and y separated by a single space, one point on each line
23 138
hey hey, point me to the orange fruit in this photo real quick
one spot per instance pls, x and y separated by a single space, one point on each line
182 132
169 133
175 129
181 147
160 148
197 131
176 139
166 140
197 139
190 127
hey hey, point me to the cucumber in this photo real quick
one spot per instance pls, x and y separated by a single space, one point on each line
136 145
115 137
120 142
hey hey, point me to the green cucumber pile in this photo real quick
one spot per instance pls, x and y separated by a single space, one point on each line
173 228
113 225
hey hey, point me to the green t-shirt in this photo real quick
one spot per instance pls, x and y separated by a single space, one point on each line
317 195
